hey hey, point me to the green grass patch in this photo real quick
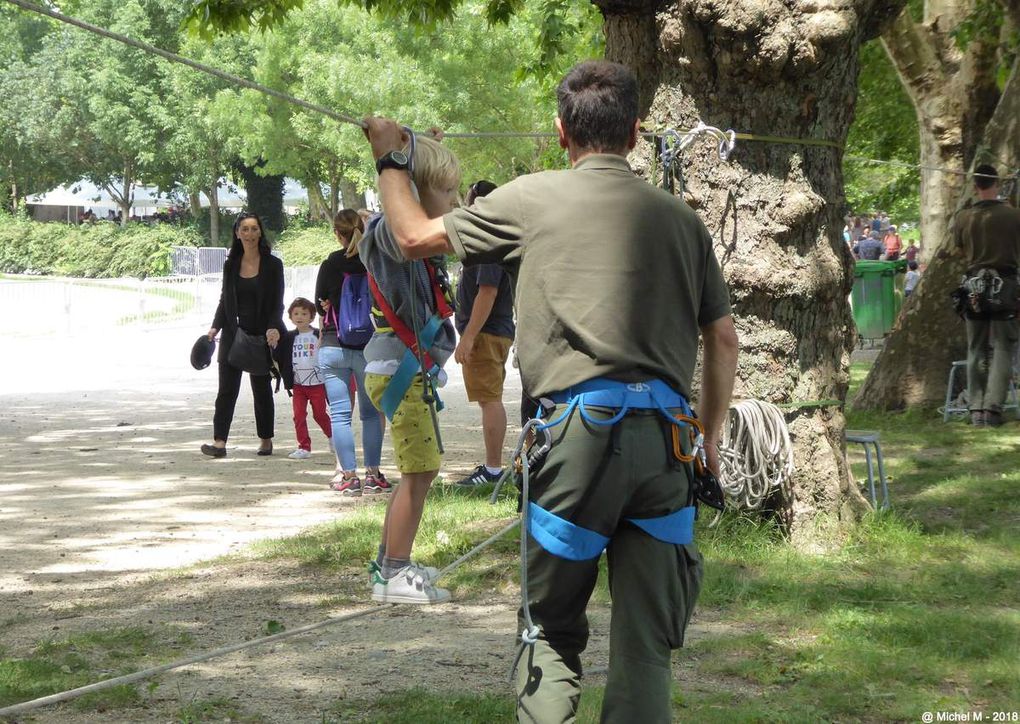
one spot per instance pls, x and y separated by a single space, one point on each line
915 612
60 664
455 520
426 706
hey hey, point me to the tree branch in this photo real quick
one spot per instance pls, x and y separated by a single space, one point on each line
911 48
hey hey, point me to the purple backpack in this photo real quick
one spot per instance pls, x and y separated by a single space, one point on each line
354 326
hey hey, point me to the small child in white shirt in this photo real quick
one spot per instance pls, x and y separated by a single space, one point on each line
296 355
913 277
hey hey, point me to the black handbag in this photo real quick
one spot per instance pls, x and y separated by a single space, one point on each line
250 353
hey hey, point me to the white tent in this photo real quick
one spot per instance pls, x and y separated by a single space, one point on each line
66 203
60 204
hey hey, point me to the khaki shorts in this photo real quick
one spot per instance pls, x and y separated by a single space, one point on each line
414 438
485 373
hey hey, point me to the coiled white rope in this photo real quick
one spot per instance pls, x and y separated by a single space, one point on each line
755 454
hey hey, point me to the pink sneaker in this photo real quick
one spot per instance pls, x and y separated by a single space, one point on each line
347 486
376 484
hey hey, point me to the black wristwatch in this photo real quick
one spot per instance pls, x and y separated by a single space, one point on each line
392 159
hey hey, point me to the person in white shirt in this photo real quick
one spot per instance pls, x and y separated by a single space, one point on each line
297 353
913 277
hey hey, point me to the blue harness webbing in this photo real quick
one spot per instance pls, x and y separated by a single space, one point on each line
621 396
576 543
410 365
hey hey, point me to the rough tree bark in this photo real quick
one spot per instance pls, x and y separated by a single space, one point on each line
194 203
954 93
123 196
770 67
213 193
265 195
913 365
349 194
317 207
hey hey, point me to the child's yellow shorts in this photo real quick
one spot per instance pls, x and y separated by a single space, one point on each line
414 439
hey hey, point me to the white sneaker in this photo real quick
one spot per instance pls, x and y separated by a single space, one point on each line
409 585
300 454
432 574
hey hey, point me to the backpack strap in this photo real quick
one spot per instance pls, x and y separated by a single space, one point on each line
411 364
396 324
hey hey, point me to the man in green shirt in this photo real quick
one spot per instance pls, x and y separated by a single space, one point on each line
988 235
614 279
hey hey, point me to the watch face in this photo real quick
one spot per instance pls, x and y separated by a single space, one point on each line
399 157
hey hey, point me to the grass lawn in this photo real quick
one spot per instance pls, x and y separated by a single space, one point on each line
917 612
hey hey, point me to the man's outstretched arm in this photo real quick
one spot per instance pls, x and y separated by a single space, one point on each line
417 235
718 370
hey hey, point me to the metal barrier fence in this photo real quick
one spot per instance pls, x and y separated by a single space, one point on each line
196 261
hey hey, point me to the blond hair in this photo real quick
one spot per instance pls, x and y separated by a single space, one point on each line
348 225
435 166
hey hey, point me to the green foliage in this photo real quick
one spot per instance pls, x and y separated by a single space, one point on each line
303 246
99 250
983 21
884 128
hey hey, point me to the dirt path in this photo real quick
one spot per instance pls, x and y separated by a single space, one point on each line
103 490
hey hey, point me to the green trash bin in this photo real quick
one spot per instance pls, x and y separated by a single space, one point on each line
877 296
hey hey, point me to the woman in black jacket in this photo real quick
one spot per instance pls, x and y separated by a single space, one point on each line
252 299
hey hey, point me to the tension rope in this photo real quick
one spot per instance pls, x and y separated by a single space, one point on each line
346 118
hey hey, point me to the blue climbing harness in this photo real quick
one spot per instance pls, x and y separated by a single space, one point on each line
568 540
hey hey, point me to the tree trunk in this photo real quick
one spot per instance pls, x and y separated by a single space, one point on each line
334 195
126 195
317 207
214 213
265 196
775 210
349 194
954 94
913 366
13 188
195 204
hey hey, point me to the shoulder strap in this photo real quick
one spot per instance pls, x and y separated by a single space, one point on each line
442 307
403 332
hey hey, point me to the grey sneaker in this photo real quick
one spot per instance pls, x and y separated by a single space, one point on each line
409 585
479 476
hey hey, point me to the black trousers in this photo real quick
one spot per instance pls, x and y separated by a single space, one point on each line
226 399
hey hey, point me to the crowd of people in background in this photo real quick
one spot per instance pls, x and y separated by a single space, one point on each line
170 215
874 238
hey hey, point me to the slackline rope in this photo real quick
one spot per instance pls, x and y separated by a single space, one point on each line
174 58
344 118
223 651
